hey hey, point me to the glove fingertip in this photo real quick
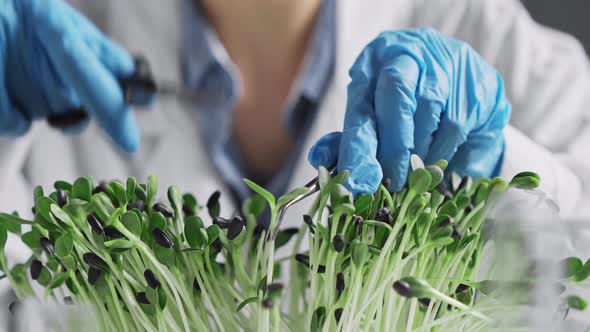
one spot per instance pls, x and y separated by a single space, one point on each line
364 180
325 151
125 132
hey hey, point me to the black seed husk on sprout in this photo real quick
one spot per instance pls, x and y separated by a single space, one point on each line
163 209
222 222
162 238
47 246
188 211
304 259
62 197
307 219
424 301
95 224
338 242
268 303
34 210
259 229
35 269
101 188
456 232
342 220
446 221
384 215
196 285
213 204
461 288
402 288
465 180
442 189
360 224
386 182
93 275
113 233
95 261
235 229
139 204
338 314
13 306
68 300
340 283
274 287
141 297
151 279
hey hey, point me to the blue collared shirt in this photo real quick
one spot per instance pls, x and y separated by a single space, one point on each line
207 67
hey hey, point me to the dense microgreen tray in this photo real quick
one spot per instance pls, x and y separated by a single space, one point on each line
404 261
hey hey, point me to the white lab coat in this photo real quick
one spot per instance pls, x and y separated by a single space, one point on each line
547 79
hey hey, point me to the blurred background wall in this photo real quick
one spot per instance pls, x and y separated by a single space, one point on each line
567 15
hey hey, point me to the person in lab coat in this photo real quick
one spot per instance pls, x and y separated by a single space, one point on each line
273 76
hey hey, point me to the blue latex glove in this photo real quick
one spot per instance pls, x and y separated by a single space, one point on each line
53 59
418 92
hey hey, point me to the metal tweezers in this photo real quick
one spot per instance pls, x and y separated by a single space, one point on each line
313 186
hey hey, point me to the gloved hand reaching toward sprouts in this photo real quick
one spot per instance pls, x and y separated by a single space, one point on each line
417 91
52 59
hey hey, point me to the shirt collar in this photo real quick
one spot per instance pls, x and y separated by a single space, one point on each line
203 50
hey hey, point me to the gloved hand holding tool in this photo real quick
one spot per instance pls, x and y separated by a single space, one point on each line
417 91
55 64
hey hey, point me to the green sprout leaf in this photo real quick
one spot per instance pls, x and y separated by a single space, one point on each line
64 245
120 192
131 221
3 237
157 220
130 190
162 298
119 244
583 273
152 190
498 184
363 203
32 238
324 177
525 180
82 189
317 319
360 252
254 205
13 221
284 236
437 175
416 162
419 181
69 262
63 185
571 266
61 215
213 232
58 280
175 198
577 303
246 302
291 195
192 232
412 287
262 192
102 206
449 208
42 206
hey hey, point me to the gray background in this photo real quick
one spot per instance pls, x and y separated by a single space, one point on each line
571 16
